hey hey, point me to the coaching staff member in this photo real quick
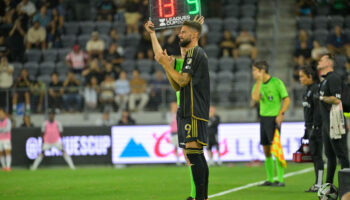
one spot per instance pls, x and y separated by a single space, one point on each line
330 93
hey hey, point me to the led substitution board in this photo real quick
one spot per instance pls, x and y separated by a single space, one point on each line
172 13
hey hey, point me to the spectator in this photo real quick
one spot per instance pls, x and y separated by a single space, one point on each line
145 44
227 45
54 30
122 90
318 51
93 70
110 71
107 92
71 96
157 86
27 7
113 34
17 34
57 19
304 7
138 87
55 93
105 120
339 7
347 69
4 48
126 119
114 55
300 64
303 37
105 10
6 81
37 90
91 92
132 16
43 17
77 59
50 4
22 93
303 51
338 42
36 36
27 122
95 46
246 45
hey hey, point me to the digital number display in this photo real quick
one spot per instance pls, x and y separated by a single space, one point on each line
172 13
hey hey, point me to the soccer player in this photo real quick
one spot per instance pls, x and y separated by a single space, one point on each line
5 141
173 130
213 125
309 78
52 130
272 96
193 113
330 94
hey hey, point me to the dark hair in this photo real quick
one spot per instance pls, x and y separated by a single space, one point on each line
195 25
311 71
330 57
262 65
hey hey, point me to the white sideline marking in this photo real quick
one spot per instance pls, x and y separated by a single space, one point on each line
257 183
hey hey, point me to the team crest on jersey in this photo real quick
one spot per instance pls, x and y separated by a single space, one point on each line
189 61
270 98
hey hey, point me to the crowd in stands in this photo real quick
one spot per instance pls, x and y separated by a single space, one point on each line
108 62
323 27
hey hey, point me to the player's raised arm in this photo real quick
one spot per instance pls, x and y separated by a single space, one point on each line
149 26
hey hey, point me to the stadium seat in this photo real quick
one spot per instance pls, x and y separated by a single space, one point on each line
248 10
305 22
106 39
32 68
242 76
128 66
83 39
120 27
130 53
68 41
321 22
33 55
45 79
240 97
214 37
132 40
213 64
62 53
157 66
224 77
214 24
212 51
231 11
62 78
62 68
245 2
247 24
321 36
17 67
144 65
50 55
231 24
121 40
336 21
243 64
347 21
226 64
87 27
347 32
47 68
71 28
146 76
340 61
103 27
224 87
322 11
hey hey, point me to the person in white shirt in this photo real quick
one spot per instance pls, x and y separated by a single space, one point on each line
95 46
27 7
122 90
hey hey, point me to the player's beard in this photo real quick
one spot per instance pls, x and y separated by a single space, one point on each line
184 42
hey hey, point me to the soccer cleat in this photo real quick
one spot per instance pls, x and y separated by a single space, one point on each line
190 198
313 188
6 169
278 184
266 183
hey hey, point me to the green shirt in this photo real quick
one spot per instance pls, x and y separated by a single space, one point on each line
271 94
178 68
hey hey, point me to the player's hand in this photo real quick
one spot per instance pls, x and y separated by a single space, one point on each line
279 120
199 19
258 75
149 26
162 58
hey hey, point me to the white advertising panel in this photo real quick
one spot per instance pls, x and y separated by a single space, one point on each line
238 142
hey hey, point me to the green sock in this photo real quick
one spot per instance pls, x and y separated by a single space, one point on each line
193 186
280 171
269 168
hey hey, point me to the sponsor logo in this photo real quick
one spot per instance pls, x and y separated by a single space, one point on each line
173 20
187 67
162 22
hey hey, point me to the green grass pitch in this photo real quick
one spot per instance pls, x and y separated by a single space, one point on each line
147 182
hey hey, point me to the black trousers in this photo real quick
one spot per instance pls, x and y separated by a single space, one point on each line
316 148
334 148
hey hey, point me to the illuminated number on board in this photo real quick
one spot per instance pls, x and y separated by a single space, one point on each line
196 6
166 9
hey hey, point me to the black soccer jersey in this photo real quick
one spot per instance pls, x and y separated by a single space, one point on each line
195 96
311 106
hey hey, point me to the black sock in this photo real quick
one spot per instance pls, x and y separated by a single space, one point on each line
198 171
206 175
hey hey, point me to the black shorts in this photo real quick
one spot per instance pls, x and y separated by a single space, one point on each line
190 129
213 142
267 130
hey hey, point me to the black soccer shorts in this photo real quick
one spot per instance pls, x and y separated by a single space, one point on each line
190 129
267 130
